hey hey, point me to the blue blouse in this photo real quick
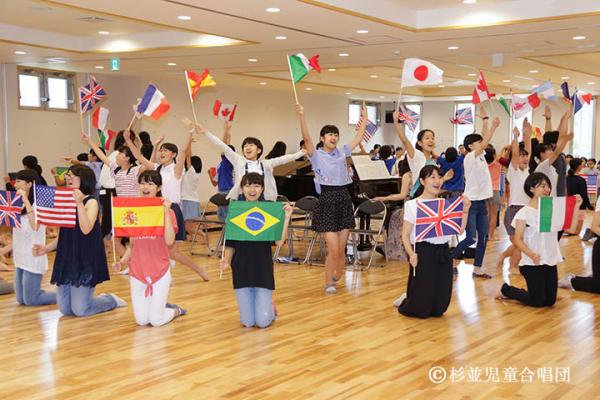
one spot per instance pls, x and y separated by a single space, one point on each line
331 168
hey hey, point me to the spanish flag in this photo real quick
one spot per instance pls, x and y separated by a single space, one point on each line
138 216
195 81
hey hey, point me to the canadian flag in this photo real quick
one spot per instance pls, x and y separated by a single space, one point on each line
481 92
419 72
521 106
223 111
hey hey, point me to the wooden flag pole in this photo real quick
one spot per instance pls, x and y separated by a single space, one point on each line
81 113
187 83
399 97
292 76
222 256
132 120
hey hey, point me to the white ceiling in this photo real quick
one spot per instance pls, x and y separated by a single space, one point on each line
223 35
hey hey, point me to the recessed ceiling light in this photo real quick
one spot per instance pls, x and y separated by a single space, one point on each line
441 86
280 37
172 64
564 78
343 54
331 69
372 76
252 60
472 74
273 10
348 93
506 80
581 37
262 83
533 71
103 32
19 52
99 67
308 88
469 1
590 83
362 31
184 17
452 47
382 97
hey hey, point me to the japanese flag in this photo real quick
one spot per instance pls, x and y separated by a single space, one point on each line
419 72
223 111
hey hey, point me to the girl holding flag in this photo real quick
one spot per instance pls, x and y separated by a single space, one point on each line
540 251
148 257
429 287
251 264
333 215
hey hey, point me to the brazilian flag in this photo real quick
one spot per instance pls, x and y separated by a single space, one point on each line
255 221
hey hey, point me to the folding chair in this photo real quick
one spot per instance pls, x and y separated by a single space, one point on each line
203 222
376 210
303 211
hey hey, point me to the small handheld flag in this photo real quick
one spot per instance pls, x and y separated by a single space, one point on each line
300 66
195 81
90 94
370 129
154 104
555 213
416 72
438 218
463 116
591 182
409 118
546 90
55 206
254 221
225 112
481 92
138 216
11 205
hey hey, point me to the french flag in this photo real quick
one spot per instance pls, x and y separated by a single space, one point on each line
154 104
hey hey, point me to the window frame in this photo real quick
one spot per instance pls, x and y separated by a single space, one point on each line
44 74
377 106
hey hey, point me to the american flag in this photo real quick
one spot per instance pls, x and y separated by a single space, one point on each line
592 183
11 205
370 129
463 116
90 94
55 206
438 217
409 118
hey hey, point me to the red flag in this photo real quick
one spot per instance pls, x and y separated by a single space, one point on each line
225 112
481 92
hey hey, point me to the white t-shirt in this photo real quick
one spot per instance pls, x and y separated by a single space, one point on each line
545 168
478 182
23 240
106 180
190 185
543 243
171 186
410 215
254 166
516 177
415 164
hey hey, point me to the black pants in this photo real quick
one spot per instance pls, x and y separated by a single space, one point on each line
542 284
591 283
106 222
430 289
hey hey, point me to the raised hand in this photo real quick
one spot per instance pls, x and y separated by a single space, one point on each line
516 133
299 109
482 112
547 112
527 129
85 138
78 196
495 123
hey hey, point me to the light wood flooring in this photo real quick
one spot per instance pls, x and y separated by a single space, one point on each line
353 344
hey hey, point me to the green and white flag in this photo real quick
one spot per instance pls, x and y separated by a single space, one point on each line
255 221
555 213
300 66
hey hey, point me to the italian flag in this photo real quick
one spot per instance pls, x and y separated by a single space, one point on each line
300 65
555 213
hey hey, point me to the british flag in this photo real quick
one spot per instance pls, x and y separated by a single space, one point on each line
370 129
409 118
438 217
11 205
592 183
90 94
463 116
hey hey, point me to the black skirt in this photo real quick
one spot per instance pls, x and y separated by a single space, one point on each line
333 211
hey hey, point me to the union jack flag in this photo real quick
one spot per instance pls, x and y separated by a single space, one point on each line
11 205
438 217
90 94
370 129
592 183
463 116
409 118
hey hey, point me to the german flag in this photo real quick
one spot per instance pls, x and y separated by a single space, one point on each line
195 81
138 216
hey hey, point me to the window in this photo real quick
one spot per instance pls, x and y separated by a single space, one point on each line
46 90
412 135
354 112
460 131
583 128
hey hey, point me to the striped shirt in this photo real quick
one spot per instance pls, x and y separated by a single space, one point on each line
126 184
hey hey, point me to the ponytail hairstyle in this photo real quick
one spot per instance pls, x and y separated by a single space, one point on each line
574 164
426 172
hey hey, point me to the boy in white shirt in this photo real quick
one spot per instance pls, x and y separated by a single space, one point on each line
478 188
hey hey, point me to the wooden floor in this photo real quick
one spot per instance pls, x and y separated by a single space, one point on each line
350 345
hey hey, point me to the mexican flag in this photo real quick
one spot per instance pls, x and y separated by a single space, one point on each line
555 213
106 138
300 65
256 221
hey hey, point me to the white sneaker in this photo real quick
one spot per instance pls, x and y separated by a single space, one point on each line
399 300
565 282
124 271
330 289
